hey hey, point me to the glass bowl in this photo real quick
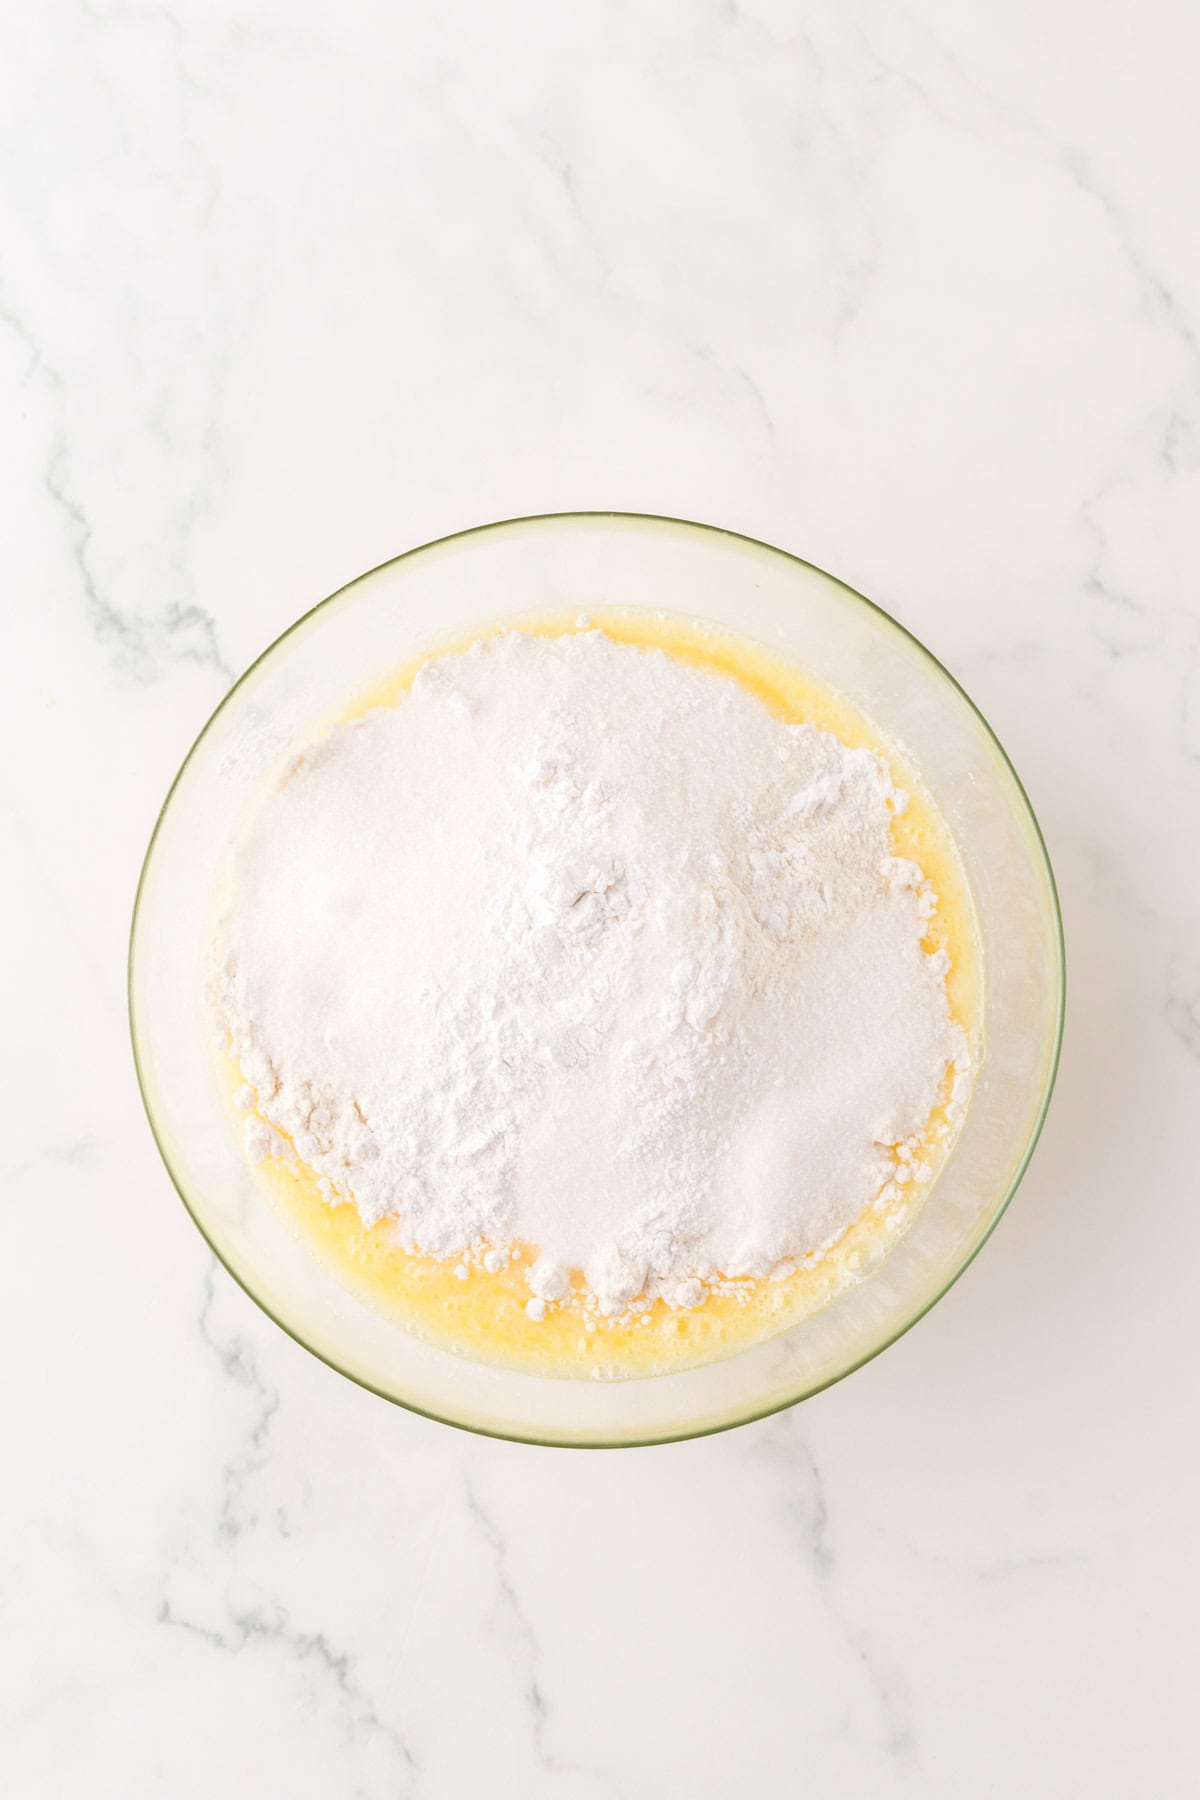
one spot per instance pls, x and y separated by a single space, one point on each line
441 593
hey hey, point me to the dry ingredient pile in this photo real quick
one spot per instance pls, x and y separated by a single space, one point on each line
578 947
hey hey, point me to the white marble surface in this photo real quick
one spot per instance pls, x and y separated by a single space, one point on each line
286 288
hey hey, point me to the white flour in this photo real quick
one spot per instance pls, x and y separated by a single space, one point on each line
579 947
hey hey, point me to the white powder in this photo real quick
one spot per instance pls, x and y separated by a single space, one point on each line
579 947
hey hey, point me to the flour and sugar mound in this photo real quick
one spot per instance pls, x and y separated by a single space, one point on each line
579 948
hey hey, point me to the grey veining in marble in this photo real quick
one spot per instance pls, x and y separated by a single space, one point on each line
911 290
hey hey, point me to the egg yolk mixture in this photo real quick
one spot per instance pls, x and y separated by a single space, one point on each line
480 1314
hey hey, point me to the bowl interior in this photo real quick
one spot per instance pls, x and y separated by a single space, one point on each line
441 593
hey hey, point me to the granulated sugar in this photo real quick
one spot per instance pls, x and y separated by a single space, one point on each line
579 947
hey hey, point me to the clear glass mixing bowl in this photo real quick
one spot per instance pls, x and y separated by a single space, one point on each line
442 592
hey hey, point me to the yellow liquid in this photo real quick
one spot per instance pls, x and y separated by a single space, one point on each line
483 1317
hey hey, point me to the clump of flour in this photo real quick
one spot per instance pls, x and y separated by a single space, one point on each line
578 947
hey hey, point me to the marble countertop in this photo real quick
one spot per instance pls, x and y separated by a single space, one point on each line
913 291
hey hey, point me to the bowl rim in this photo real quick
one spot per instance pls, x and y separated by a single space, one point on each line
623 518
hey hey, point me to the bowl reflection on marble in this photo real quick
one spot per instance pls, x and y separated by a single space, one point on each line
442 592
